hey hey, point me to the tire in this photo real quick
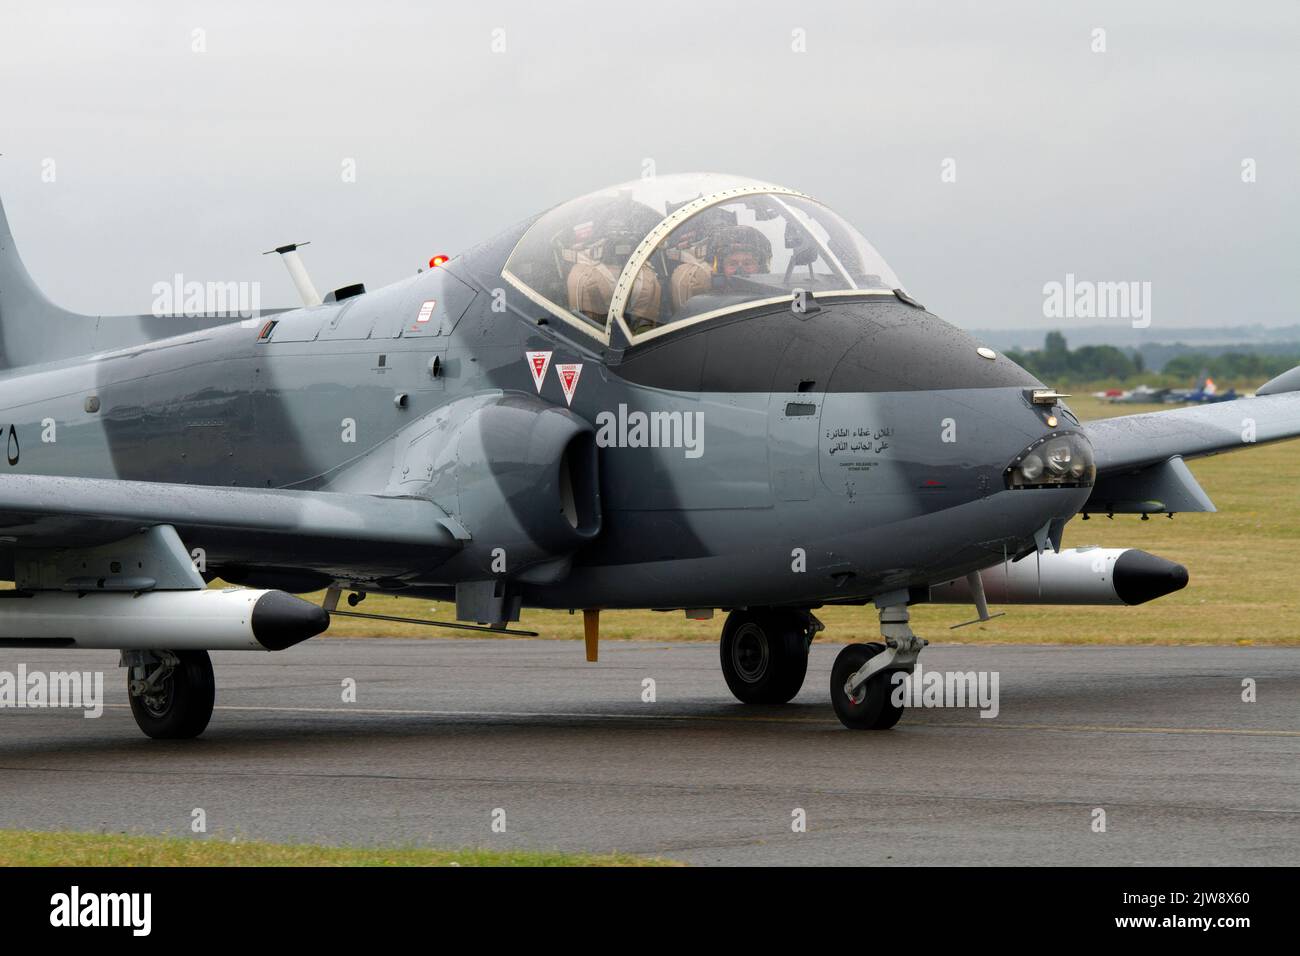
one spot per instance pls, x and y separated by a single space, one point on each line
187 700
765 655
875 711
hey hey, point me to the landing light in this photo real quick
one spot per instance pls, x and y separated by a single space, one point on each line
1061 460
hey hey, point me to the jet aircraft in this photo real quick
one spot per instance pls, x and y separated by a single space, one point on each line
690 393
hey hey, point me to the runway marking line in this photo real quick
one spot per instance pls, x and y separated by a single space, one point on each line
508 715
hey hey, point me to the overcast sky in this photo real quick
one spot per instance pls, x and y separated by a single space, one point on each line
1122 165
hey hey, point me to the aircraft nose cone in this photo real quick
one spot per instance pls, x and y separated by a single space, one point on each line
1140 577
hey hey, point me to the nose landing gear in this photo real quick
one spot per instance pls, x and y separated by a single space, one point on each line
862 681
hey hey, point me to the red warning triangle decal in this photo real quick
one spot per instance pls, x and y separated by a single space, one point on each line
538 363
569 379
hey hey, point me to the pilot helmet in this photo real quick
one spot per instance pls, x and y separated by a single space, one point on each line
745 243
692 240
614 242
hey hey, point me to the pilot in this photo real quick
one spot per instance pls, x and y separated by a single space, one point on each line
596 268
741 251
692 274
726 251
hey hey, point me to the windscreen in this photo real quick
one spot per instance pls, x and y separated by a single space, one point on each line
752 249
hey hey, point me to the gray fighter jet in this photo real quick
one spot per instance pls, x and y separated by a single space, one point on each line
685 393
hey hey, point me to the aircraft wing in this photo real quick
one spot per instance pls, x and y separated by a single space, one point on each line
1134 441
315 530
1140 458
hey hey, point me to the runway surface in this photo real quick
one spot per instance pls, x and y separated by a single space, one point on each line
446 731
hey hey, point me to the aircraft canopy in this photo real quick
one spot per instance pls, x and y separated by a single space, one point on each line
658 253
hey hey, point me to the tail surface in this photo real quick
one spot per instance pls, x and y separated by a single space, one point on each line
34 330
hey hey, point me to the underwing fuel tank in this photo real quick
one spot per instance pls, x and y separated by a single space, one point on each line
230 619
1072 576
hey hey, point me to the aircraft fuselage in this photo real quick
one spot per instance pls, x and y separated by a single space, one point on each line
774 458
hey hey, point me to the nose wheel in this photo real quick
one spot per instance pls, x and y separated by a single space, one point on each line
869 707
863 677
765 654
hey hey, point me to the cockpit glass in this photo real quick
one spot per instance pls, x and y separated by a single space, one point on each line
570 259
744 245
757 248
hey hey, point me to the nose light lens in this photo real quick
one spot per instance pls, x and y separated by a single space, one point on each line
1059 460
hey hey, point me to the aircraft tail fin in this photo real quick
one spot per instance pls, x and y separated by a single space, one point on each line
34 330
30 324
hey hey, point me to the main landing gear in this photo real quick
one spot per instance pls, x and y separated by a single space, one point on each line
765 653
172 692
765 658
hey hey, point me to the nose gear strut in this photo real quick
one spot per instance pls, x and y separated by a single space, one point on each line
901 650
861 681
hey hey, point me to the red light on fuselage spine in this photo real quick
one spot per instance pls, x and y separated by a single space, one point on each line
437 261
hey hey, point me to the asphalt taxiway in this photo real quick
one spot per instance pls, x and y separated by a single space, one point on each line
445 732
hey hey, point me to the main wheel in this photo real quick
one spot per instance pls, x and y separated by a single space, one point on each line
180 705
873 709
765 655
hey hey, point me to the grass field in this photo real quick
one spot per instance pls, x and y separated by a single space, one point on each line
1242 563
32 848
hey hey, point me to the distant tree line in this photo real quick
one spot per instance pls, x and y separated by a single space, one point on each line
1055 361
1090 363
1231 366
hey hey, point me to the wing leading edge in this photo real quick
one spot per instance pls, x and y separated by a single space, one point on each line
316 530
1135 441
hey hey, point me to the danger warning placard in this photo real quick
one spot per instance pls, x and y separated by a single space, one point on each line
538 363
569 380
